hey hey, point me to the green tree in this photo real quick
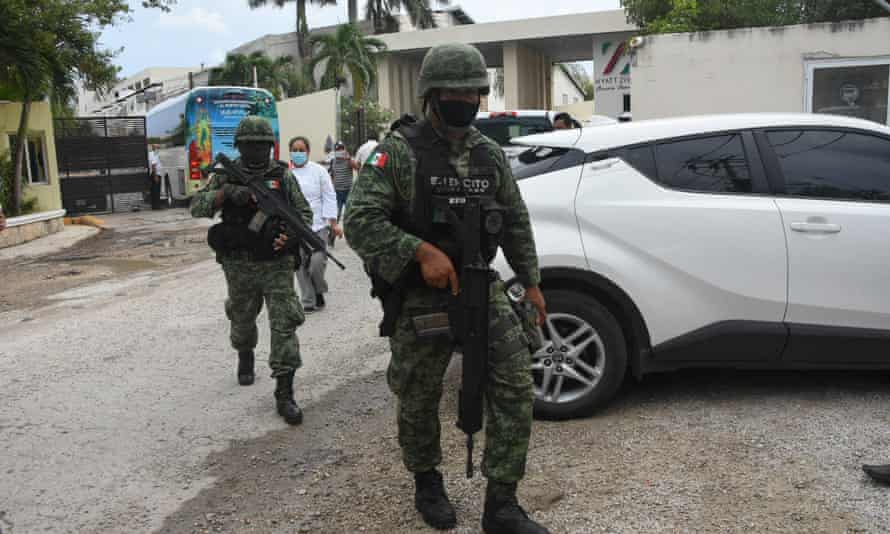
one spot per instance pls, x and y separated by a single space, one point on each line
346 52
302 24
665 16
376 119
46 47
381 13
279 76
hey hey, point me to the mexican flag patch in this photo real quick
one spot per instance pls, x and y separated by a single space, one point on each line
377 160
273 184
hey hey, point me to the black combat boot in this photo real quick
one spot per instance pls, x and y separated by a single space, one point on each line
503 515
319 301
432 502
284 399
880 473
245 367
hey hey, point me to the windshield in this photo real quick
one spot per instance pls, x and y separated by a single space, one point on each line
501 129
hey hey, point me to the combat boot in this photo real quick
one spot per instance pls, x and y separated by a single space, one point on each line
880 473
284 399
245 367
503 515
432 502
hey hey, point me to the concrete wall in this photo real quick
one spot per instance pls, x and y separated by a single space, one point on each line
527 78
40 123
313 116
564 90
747 70
581 111
397 84
28 228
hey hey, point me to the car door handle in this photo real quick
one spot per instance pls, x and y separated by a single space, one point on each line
816 228
602 164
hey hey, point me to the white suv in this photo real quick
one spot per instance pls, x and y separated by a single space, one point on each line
748 241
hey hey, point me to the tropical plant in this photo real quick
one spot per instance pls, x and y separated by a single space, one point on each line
381 13
279 76
666 16
46 47
376 119
346 52
302 26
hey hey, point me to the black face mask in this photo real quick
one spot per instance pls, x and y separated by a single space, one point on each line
457 113
255 154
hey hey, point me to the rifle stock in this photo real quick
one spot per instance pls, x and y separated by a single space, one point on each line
271 205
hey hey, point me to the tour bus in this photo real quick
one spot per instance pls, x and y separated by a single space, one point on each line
192 128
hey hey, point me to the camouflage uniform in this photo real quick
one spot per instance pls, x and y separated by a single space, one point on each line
417 366
250 281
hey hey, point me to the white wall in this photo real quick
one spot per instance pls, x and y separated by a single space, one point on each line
564 91
747 70
313 116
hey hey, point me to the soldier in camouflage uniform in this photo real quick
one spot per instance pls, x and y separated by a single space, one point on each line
258 262
378 225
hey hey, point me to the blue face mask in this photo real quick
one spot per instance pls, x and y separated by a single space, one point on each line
299 158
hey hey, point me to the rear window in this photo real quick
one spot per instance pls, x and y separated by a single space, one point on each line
501 129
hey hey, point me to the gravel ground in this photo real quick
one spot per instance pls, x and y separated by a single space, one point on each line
121 414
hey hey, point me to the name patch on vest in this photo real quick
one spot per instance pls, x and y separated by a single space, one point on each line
456 186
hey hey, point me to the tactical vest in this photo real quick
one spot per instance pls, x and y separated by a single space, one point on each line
240 232
438 190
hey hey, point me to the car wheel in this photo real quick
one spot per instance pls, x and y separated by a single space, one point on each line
583 360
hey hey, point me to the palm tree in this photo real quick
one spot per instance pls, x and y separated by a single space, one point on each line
353 11
302 25
347 51
380 13
280 76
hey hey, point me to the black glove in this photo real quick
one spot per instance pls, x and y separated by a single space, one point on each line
240 195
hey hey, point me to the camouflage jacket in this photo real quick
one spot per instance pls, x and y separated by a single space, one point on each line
202 201
386 185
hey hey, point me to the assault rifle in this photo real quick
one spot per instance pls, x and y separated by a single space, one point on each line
272 206
468 314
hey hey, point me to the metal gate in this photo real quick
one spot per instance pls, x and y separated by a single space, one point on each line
103 163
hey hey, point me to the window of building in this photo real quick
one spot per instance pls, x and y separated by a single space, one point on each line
715 164
850 87
833 164
35 158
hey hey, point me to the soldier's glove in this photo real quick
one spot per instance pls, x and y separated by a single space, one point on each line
240 195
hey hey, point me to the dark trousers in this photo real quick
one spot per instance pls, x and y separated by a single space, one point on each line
342 196
156 192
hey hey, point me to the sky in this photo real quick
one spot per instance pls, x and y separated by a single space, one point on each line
201 31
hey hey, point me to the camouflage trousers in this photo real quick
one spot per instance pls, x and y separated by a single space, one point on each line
249 283
416 372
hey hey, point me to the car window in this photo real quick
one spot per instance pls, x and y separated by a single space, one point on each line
712 164
640 158
503 128
541 160
833 164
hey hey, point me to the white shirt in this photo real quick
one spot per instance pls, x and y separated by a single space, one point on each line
315 183
364 152
154 159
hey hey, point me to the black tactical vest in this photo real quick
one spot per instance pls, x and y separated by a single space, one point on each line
234 233
438 190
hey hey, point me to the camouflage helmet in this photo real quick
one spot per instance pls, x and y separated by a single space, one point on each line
254 128
453 66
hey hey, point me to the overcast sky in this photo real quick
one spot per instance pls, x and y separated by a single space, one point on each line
201 31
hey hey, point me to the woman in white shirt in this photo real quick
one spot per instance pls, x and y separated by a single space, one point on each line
315 183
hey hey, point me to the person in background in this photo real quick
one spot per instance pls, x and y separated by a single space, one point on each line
341 173
364 151
2 219
564 121
315 183
154 165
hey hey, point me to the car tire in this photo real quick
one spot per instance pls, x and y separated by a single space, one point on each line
604 351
